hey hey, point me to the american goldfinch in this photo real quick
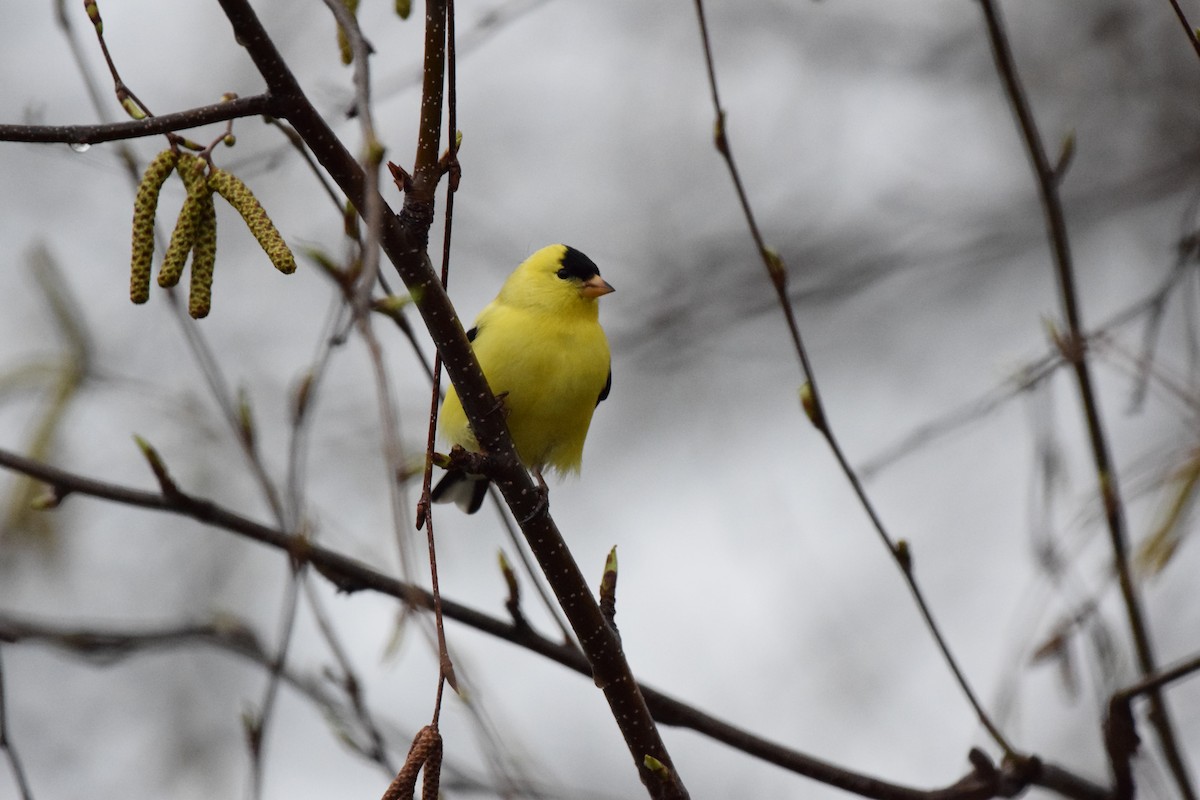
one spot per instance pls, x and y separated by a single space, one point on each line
545 356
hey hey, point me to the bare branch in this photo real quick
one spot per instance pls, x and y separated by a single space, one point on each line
113 131
9 748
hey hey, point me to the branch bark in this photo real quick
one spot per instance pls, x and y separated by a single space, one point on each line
137 129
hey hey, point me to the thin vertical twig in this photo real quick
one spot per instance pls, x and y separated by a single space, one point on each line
777 271
7 744
1193 40
438 49
220 392
446 671
302 415
1073 345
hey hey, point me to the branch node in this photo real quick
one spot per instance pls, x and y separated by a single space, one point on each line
903 554
775 268
1017 773
812 407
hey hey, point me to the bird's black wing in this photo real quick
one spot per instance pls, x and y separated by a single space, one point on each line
607 388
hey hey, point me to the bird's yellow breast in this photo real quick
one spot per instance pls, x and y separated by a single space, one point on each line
551 368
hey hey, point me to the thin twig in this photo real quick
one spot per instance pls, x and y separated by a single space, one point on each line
487 24
220 392
348 680
8 746
425 512
521 548
777 272
137 129
1120 731
1187 27
235 637
1162 677
305 401
91 85
259 722
105 646
360 304
1027 376
1047 179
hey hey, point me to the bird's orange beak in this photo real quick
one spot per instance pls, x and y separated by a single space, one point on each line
596 286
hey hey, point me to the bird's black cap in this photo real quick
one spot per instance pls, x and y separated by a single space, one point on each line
576 265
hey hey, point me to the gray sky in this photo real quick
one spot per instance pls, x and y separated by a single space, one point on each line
880 154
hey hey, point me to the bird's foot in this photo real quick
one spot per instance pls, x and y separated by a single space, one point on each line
501 404
543 498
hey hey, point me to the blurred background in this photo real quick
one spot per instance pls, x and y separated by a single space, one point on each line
882 160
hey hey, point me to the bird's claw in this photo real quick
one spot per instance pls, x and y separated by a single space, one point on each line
501 404
543 499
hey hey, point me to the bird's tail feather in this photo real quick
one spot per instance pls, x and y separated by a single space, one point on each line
465 491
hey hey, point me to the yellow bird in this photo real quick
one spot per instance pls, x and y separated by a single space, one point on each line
544 354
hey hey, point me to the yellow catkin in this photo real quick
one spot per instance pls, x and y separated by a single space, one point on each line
183 238
238 195
204 258
145 205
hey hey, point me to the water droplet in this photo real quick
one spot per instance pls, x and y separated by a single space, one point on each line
80 147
